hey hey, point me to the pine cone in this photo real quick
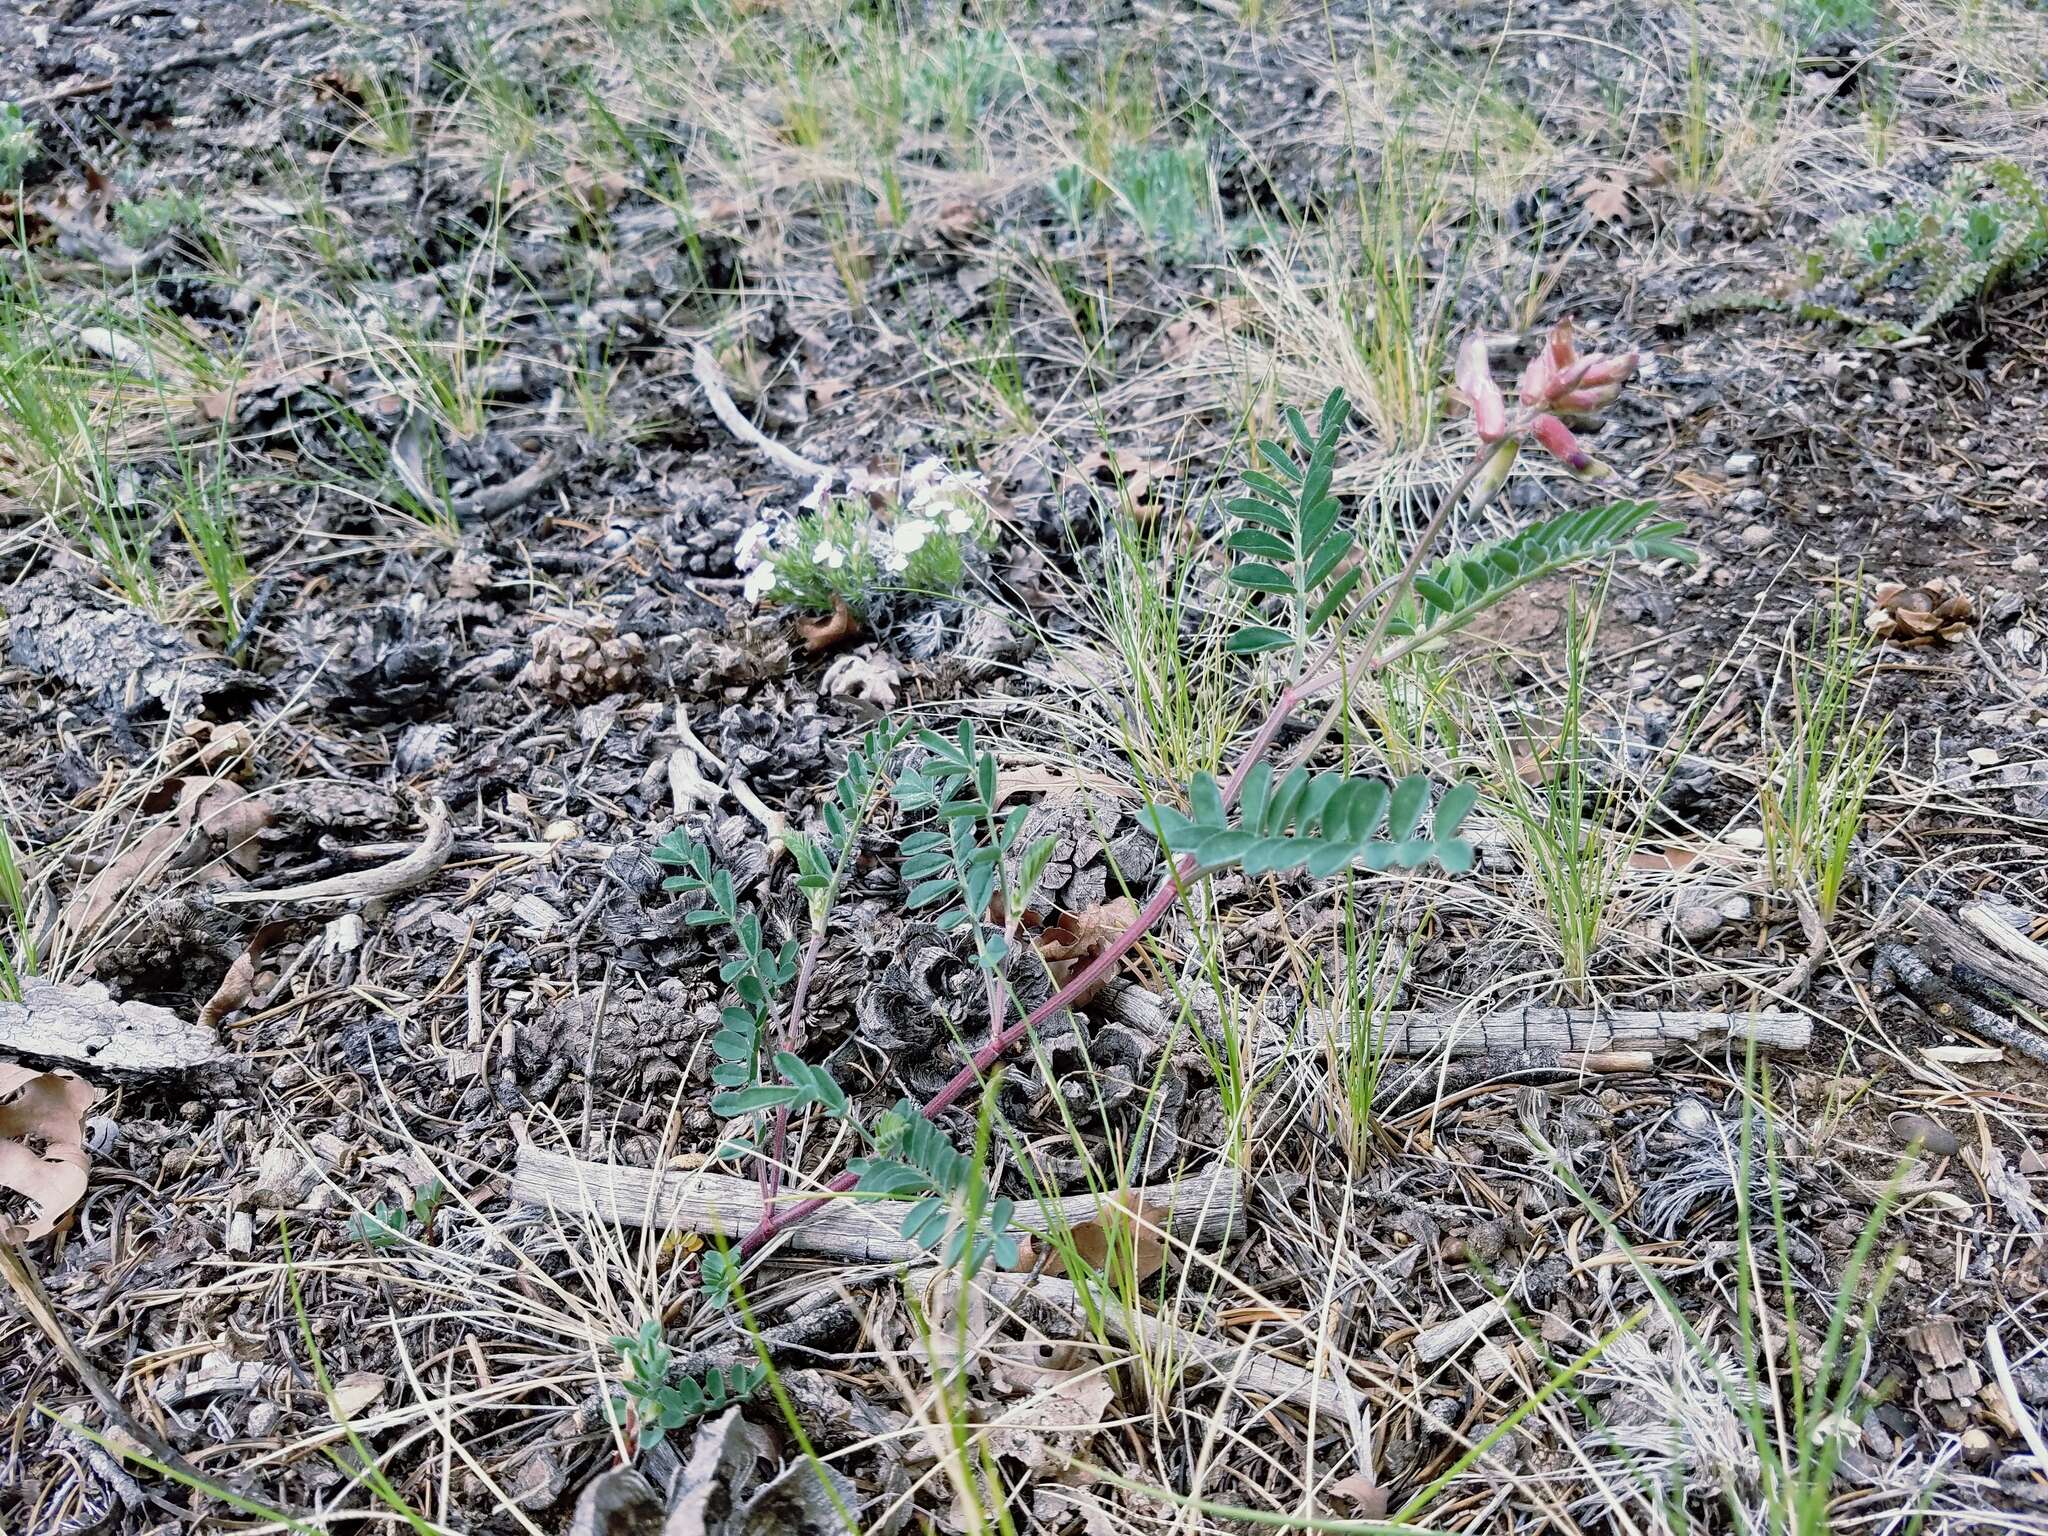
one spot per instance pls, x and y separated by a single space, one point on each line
580 660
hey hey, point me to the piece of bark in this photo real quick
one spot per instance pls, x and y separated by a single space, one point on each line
1989 945
62 628
82 1026
1205 1209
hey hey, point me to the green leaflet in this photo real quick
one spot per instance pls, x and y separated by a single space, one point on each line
1458 588
755 974
1291 541
1321 822
914 1161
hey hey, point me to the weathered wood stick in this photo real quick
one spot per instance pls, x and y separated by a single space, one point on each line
705 369
1948 1004
1568 1031
416 868
1243 1364
1205 1209
1987 946
1595 1031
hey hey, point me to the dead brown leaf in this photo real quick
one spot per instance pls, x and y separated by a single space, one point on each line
191 823
1358 1497
1661 861
240 981
1133 472
43 1159
1134 1232
1073 939
836 628
1043 779
1605 198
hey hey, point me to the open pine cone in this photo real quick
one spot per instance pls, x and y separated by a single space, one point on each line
579 660
1918 615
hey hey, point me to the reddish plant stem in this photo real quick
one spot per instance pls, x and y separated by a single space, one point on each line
1328 672
771 1165
774 1222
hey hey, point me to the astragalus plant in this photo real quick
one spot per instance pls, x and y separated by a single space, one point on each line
1325 627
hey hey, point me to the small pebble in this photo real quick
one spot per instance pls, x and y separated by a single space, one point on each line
1695 921
1936 1140
1693 1117
1740 466
1757 535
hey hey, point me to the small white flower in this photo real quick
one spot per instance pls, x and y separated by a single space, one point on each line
905 540
753 547
829 555
925 477
959 519
760 582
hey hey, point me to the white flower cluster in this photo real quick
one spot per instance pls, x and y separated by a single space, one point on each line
905 540
955 499
936 500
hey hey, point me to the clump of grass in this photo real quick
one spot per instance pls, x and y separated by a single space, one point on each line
17 145
18 958
1180 702
1356 992
1166 190
1728 107
1566 826
1822 753
144 221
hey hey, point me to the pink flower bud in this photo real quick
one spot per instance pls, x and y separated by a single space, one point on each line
1613 368
1477 389
1584 402
1563 353
1557 437
1539 379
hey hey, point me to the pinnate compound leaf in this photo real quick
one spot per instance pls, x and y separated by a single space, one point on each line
1322 823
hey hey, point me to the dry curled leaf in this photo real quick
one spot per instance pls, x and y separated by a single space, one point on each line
189 823
1918 615
1133 472
1604 198
1123 1231
42 1148
835 629
1073 939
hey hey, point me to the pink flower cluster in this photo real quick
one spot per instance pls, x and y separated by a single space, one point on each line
1558 383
